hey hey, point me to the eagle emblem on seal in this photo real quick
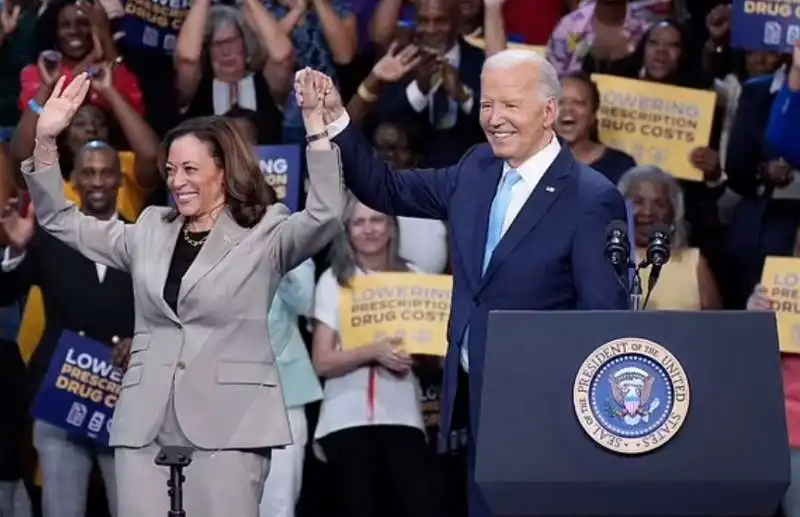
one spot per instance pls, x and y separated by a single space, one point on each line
632 390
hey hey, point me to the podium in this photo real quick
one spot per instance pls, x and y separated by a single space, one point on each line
586 414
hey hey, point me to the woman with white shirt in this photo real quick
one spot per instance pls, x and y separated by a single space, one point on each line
370 426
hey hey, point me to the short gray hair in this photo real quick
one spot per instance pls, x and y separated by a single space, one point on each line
642 173
549 82
221 15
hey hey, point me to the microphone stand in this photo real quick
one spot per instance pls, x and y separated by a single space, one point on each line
636 288
176 458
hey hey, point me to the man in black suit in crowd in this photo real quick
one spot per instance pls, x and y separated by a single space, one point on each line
442 95
81 296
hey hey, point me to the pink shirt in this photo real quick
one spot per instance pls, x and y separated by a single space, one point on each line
790 365
574 35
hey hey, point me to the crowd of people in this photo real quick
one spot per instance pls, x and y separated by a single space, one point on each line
363 423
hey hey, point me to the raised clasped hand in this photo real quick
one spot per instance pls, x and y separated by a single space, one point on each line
61 106
311 87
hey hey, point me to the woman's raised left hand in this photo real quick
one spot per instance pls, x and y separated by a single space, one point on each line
59 109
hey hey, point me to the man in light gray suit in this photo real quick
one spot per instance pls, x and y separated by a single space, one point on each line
201 371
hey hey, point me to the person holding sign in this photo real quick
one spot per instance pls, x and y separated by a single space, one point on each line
370 425
527 221
201 372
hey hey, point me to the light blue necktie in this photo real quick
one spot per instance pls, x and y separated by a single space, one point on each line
497 216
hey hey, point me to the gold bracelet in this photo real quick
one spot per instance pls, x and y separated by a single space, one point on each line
365 94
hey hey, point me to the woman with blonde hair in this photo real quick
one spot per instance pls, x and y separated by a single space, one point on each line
370 426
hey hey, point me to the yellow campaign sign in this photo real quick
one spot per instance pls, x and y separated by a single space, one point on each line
781 277
411 306
481 43
655 123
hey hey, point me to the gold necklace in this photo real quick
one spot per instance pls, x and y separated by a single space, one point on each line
193 242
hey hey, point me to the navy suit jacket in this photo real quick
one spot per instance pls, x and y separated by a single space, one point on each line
551 258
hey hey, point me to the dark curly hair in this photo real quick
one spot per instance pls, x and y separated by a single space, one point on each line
247 194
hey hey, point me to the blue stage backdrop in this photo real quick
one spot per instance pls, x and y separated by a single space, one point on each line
80 389
771 25
282 168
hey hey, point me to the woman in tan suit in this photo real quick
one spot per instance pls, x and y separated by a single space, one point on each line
201 372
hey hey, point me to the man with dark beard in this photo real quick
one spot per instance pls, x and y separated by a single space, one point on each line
80 296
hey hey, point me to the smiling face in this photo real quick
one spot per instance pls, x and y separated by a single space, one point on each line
195 177
514 115
370 231
73 33
577 113
228 53
651 205
437 25
662 52
97 178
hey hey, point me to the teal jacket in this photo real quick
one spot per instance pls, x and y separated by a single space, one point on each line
294 298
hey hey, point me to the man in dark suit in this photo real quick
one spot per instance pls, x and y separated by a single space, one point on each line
441 95
81 296
527 221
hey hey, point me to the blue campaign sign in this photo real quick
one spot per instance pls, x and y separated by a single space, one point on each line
771 25
281 167
80 389
153 24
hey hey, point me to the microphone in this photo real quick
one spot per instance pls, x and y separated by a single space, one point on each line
618 248
658 246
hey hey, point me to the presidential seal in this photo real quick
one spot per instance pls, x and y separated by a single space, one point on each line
631 395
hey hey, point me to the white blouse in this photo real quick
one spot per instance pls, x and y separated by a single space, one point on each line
346 401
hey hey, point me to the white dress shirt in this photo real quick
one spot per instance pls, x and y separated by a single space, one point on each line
419 101
532 170
10 263
423 242
346 403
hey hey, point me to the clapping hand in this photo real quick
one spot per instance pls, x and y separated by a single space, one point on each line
19 228
394 65
9 18
59 109
102 77
47 64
